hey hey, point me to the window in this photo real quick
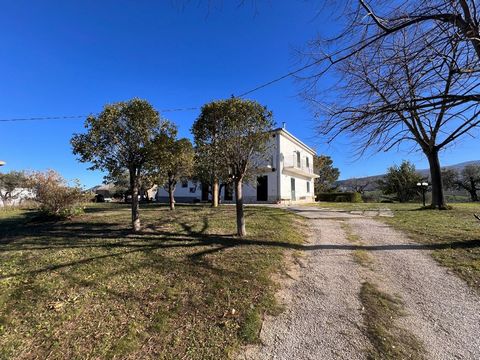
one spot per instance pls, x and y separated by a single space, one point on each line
307 159
299 162
308 186
184 183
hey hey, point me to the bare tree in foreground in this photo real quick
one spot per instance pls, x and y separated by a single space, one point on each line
427 93
406 90
367 24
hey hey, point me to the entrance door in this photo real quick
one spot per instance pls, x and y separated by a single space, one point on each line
262 188
204 192
292 185
228 194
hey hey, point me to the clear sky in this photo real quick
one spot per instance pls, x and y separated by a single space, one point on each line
71 57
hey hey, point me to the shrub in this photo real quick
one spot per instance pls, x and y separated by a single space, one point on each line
353 197
54 196
342 198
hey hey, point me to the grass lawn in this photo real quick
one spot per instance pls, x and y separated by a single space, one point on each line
452 235
183 288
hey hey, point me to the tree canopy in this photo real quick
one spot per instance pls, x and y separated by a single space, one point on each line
233 134
323 167
119 140
407 73
11 186
468 179
173 161
401 181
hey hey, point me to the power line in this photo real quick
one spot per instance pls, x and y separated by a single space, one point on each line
81 116
45 118
291 73
258 87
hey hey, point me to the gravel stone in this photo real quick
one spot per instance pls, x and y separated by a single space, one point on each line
323 316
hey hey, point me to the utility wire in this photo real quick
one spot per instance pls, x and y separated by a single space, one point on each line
261 86
44 118
291 73
81 116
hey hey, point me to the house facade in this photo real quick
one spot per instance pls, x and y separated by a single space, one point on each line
287 177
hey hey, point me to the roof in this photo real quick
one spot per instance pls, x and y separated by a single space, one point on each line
284 132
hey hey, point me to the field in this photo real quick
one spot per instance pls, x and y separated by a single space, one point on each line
184 287
453 236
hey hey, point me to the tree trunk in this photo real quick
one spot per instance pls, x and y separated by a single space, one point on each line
171 190
135 211
438 198
215 193
473 195
473 190
241 231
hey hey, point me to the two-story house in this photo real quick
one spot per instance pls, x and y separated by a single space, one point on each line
287 178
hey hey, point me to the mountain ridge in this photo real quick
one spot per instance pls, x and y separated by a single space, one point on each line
424 172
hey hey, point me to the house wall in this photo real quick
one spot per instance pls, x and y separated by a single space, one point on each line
250 189
271 171
190 193
19 196
288 149
281 151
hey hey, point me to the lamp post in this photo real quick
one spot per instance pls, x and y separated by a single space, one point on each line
423 188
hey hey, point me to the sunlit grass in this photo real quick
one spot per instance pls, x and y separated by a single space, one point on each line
184 287
453 235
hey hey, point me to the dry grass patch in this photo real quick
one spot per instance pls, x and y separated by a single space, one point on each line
388 340
360 256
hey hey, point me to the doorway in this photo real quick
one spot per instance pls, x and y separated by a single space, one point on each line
262 188
292 185
228 194
205 192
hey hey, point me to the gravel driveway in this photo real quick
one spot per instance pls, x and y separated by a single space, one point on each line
323 317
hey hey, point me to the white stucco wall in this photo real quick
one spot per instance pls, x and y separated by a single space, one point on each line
288 149
182 194
281 152
19 195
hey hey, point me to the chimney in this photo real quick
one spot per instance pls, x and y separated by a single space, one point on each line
284 125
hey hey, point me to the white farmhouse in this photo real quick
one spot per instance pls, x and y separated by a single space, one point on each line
288 178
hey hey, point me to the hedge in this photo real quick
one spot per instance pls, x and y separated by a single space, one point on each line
353 197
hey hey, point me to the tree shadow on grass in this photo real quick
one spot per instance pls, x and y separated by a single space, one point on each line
120 240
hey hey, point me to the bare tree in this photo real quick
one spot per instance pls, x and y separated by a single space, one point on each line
369 23
357 185
406 90
467 179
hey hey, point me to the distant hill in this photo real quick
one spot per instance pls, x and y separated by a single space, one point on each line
370 182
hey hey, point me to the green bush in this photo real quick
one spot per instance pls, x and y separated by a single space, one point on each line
352 197
342 198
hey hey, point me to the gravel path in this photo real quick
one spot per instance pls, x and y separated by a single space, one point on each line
323 317
441 310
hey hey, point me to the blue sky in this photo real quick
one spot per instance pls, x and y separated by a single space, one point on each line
69 58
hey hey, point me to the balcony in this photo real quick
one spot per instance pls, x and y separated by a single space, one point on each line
294 166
